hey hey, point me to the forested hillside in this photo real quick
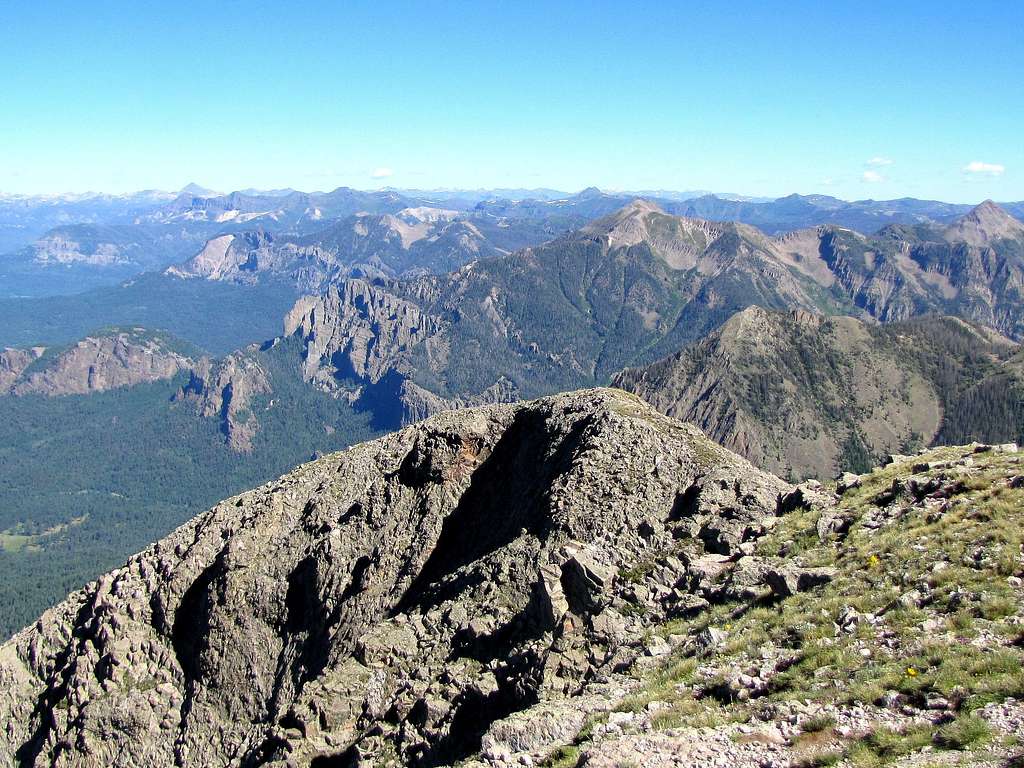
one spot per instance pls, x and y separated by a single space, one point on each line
87 479
808 396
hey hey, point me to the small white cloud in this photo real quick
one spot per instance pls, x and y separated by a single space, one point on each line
979 168
879 162
872 177
382 173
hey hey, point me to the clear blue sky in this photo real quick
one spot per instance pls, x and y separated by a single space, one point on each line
856 99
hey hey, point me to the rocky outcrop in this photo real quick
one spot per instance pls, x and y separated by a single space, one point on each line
419 403
391 602
215 261
13 363
121 358
972 268
360 331
224 389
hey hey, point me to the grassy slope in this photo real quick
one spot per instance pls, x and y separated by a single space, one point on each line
939 596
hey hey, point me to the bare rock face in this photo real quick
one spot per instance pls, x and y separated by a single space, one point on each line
224 390
214 262
359 330
13 362
393 601
419 403
122 358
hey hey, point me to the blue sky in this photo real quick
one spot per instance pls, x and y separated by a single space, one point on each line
866 99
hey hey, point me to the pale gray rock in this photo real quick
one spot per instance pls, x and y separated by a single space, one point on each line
224 390
13 362
361 330
121 358
787 580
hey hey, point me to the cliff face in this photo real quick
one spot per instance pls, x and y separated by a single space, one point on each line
395 599
221 389
359 330
364 343
13 362
224 389
121 358
973 268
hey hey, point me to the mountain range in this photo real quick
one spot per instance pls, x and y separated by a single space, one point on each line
249 376
408 242
630 288
66 244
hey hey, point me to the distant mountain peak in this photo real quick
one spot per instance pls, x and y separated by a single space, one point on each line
197 191
640 206
625 226
590 192
984 223
989 211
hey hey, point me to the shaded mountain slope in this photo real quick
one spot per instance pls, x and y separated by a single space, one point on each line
806 395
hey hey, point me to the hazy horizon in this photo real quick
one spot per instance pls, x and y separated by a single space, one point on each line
553 192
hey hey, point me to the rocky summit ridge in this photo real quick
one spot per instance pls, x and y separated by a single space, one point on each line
396 598
573 581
